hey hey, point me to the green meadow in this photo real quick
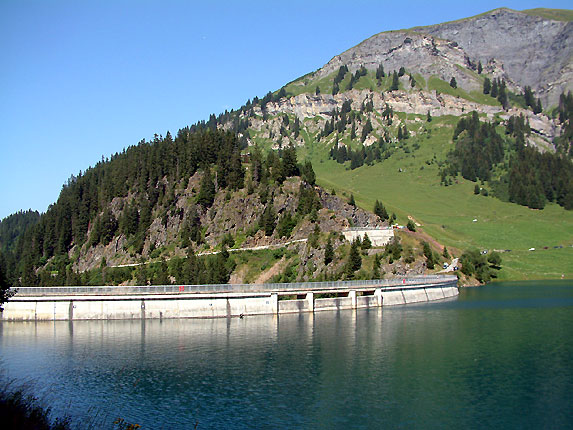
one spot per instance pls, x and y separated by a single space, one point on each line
408 184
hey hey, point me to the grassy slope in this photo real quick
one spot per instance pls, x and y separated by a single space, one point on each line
554 14
307 85
447 213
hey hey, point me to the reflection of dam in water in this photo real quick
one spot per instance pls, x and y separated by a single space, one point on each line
148 366
218 301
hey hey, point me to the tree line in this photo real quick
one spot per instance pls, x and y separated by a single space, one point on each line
478 148
533 178
148 178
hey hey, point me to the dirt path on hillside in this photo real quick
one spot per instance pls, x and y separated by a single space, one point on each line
200 254
274 270
424 237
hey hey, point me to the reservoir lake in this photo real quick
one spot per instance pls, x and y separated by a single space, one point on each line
498 356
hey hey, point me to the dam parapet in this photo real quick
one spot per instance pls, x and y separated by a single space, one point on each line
220 300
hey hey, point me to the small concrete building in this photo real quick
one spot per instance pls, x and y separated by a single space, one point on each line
377 236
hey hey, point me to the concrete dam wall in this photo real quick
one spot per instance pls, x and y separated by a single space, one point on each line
107 303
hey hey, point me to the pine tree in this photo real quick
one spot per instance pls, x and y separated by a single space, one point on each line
206 195
392 218
5 292
394 249
275 167
494 259
335 89
236 175
380 74
351 200
354 262
366 130
412 81
538 108
429 255
528 96
268 219
502 95
307 200
328 252
380 211
480 68
189 272
141 275
376 267
162 275
494 89
285 225
281 94
366 243
129 222
395 82
307 173
289 163
313 237
109 226
296 127
220 267
486 86
256 164
453 83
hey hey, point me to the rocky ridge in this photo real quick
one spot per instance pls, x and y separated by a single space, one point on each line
321 106
518 47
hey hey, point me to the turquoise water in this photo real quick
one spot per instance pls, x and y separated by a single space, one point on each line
499 356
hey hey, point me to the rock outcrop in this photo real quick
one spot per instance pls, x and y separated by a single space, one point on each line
521 48
534 51
321 106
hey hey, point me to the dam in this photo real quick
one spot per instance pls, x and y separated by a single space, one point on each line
221 300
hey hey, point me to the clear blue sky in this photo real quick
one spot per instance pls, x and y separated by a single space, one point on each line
84 79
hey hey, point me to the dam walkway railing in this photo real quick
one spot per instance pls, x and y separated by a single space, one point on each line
398 282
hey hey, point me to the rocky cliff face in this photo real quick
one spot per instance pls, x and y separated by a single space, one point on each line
534 51
523 49
233 214
420 53
320 107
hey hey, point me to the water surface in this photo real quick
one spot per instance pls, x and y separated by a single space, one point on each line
499 356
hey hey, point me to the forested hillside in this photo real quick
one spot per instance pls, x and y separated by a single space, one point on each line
143 181
174 210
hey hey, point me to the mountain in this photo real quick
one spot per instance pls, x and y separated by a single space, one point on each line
383 121
523 48
461 140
